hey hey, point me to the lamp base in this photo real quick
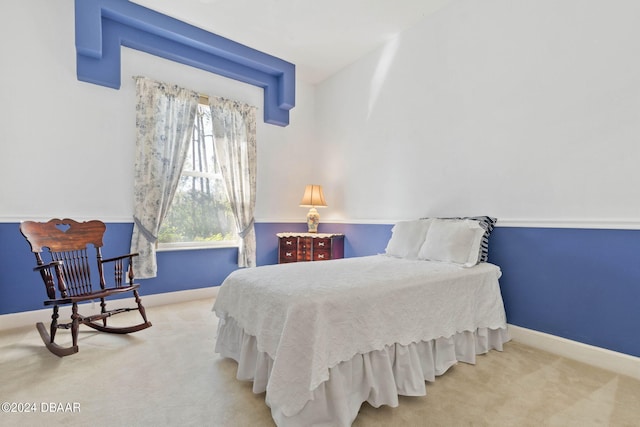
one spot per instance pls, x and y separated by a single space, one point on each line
313 219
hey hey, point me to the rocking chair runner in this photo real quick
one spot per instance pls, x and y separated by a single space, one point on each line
67 277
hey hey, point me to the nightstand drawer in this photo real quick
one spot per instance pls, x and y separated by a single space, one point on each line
321 254
289 243
288 255
321 243
293 247
304 254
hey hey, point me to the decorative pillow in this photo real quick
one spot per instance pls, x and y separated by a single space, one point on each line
487 223
407 237
451 240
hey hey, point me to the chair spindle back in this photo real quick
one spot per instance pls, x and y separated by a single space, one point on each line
67 241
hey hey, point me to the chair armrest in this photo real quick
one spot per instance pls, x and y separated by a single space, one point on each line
43 266
47 276
119 257
119 270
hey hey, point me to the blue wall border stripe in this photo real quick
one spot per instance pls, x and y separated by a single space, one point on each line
102 26
577 284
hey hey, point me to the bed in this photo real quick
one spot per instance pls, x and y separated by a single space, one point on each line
321 338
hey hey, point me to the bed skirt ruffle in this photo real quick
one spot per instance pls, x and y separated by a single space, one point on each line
377 377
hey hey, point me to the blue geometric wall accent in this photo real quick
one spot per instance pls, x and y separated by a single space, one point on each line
102 26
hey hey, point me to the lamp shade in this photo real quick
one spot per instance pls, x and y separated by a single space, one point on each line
313 197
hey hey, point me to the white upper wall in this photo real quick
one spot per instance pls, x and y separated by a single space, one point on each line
68 146
522 110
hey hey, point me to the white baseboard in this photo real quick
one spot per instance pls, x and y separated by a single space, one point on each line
29 318
620 363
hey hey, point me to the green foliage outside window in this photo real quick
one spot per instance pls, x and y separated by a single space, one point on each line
200 211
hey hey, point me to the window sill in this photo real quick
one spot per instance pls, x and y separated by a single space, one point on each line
172 247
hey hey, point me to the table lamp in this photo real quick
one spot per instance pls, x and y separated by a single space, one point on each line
313 198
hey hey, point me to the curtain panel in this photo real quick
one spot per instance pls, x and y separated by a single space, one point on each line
234 130
165 117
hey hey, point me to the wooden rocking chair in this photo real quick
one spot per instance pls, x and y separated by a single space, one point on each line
67 277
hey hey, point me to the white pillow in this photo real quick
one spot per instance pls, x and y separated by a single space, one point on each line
407 238
456 241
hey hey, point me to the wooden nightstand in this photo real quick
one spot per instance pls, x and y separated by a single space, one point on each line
294 247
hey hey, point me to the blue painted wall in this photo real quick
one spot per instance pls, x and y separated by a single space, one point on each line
579 284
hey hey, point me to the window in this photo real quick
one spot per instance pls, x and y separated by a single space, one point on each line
200 213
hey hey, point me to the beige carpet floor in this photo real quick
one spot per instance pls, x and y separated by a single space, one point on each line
168 375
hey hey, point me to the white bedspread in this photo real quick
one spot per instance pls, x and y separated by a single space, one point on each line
308 317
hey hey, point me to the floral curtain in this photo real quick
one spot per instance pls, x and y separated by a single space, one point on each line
165 117
234 131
